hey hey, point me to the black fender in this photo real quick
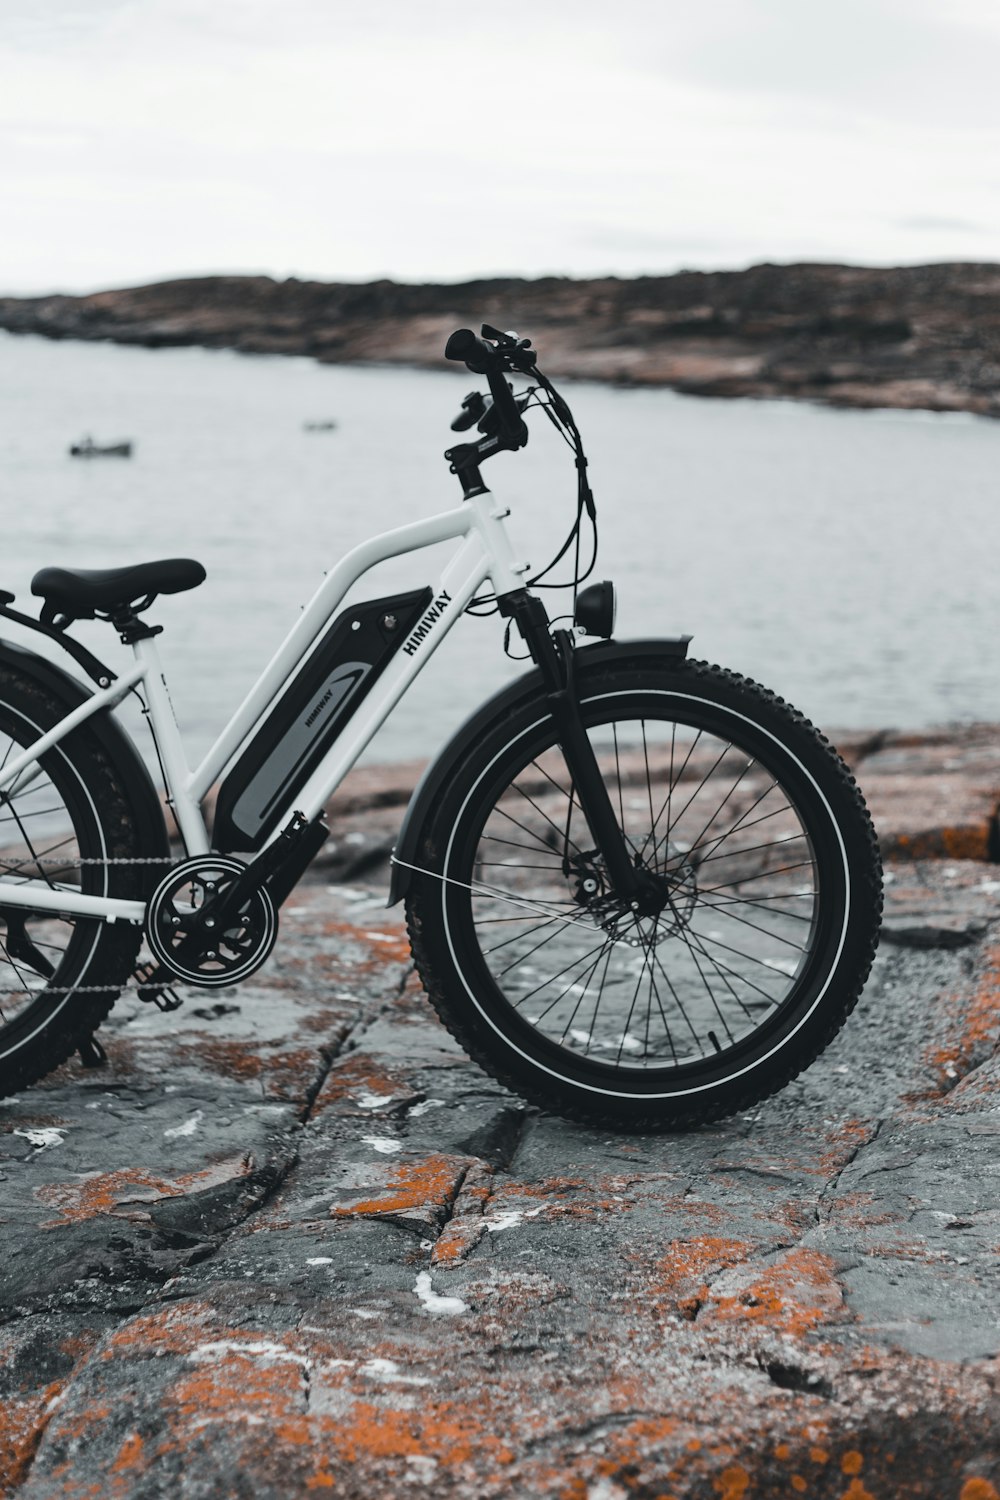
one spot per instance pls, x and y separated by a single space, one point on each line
506 702
144 801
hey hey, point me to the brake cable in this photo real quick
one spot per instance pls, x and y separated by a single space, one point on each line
558 413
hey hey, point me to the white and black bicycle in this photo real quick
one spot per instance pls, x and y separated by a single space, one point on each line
640 890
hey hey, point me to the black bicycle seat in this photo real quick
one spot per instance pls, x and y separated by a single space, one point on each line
81 592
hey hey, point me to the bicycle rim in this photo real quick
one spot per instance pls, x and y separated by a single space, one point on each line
729 817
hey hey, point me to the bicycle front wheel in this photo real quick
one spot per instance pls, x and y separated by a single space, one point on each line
757 832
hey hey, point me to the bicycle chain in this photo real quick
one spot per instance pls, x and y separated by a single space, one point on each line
95 989
87 860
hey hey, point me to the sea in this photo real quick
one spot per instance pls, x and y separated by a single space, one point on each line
842 558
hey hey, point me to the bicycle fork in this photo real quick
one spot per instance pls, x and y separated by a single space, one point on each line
553 655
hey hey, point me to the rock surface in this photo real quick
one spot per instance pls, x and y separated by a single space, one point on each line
912 337
290 1240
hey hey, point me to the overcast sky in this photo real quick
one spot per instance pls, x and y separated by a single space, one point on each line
431 140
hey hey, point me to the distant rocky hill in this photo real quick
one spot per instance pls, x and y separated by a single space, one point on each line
916 336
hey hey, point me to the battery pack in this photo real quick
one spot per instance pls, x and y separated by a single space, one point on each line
291 741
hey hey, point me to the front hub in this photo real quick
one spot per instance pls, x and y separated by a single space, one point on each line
662 908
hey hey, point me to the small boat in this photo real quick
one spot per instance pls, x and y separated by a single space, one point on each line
87 448
319 426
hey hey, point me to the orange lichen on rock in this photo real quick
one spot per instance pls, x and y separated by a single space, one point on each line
958 841
856 1491
359 1085
378 946
173 1329
844 1143
427 1186
979 1022
793 1295
466 1226
446 1431
285 1071
732 1483
22 1422
978 1489
113 1192
683 1273
129 1454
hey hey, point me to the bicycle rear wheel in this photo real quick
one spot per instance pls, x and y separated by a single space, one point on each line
60 823
763 845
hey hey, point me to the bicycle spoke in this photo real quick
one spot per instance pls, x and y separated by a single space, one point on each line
541 813
517 935
725 885
663 991
521 957
767 931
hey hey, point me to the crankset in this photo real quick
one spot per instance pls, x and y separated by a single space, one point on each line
193 943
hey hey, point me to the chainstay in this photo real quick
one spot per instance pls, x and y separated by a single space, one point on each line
92 989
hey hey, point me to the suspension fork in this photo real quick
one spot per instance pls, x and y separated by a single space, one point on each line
554 658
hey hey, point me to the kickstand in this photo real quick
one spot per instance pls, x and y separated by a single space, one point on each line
92 1054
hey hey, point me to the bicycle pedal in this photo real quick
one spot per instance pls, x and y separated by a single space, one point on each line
151 992
91 1053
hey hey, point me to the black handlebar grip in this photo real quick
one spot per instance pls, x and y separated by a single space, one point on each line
474 352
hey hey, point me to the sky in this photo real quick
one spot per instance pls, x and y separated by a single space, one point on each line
427 140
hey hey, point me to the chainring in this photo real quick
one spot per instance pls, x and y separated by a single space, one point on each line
181 943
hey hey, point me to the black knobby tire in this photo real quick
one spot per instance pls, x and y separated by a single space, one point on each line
59 976
770 870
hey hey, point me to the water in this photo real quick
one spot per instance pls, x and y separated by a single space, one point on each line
842 558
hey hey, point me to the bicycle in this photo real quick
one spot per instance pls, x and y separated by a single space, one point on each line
640 890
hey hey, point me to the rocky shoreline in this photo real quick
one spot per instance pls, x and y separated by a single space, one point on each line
915 337
291 1240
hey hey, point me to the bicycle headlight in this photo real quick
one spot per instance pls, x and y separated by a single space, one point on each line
596 607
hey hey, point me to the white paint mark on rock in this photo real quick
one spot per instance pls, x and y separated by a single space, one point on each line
320 1260
606 1489
368 1100
510 1220
424 1106
422 1468
188 1127
387 1370
432 1302
383 1143
259 1349
49 1135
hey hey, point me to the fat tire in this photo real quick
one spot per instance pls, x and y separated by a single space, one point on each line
53 1026
438 970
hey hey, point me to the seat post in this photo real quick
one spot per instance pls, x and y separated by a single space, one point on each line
163 724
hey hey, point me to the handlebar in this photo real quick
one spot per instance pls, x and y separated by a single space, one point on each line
505 351
477 355
500 419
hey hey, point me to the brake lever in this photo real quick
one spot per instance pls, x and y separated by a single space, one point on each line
473 409
517 352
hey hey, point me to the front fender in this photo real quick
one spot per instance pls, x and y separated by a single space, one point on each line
504 703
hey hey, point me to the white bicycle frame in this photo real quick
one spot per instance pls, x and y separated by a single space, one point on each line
485 553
